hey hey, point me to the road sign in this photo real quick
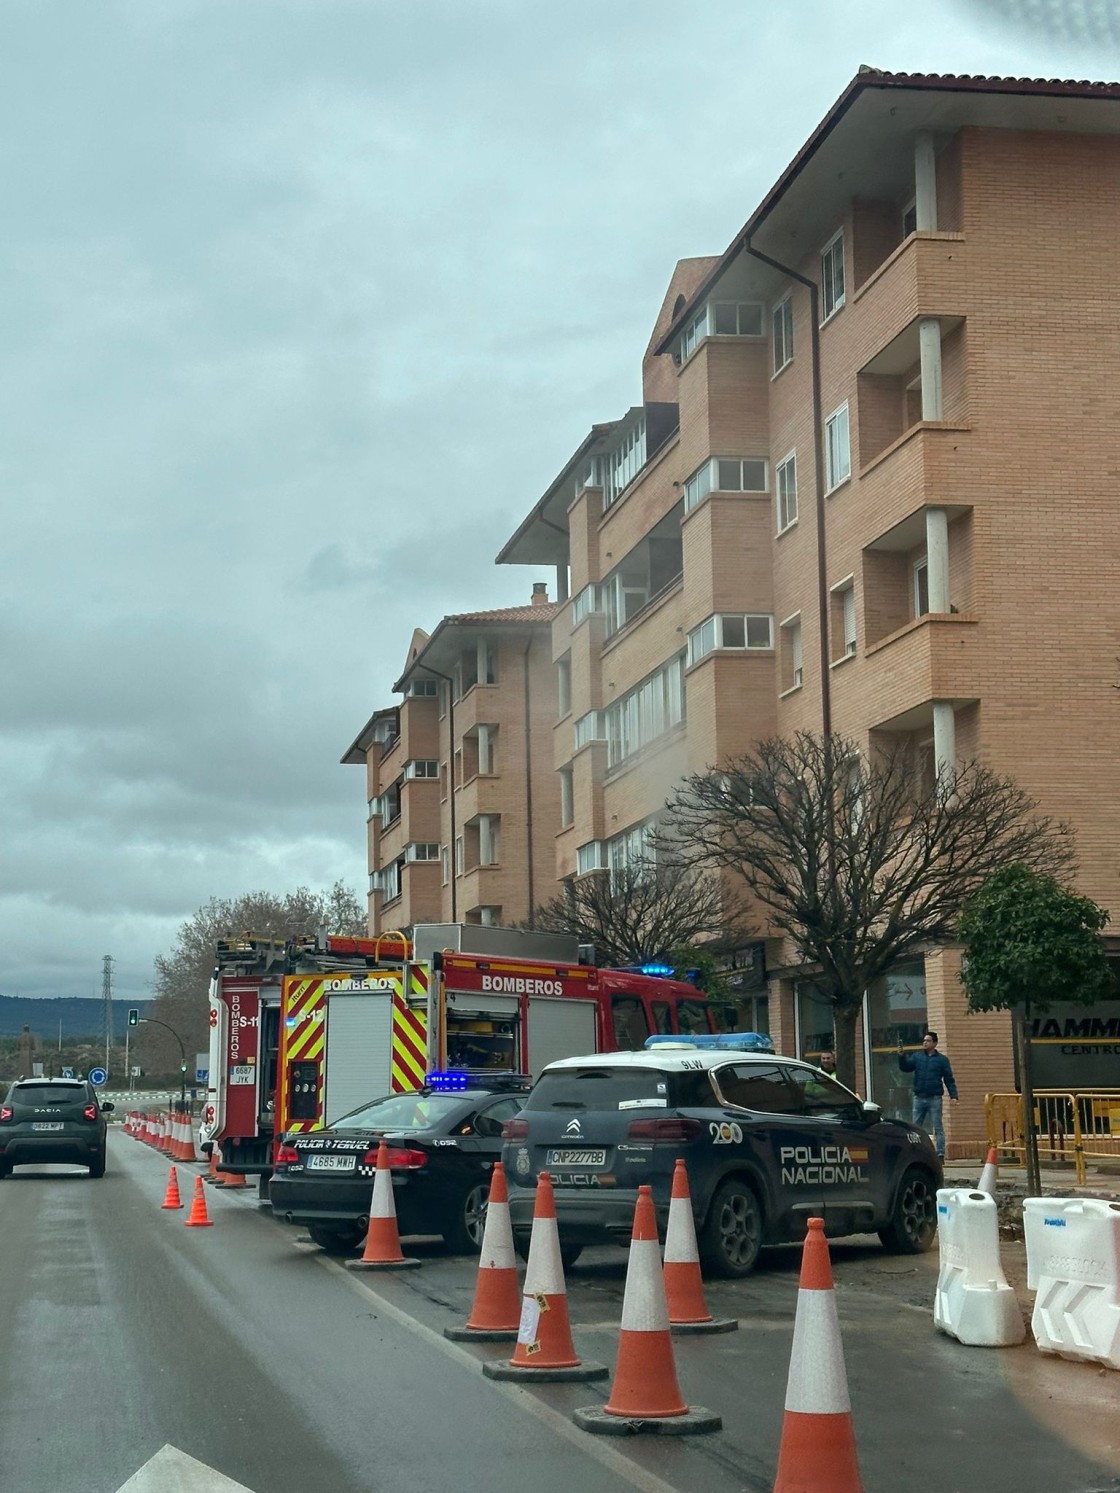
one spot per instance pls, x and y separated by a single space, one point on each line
201 1075
98 1076
136 1072
68 1073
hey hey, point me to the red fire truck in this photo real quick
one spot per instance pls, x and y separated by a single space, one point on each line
323 1030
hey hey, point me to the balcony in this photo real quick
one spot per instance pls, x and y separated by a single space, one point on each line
925 276
936 657
929 464
477 706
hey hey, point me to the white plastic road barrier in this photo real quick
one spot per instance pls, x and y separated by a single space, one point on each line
973 1302
1073 1263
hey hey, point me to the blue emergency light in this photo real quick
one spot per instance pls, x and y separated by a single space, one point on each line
717 1042
449 1082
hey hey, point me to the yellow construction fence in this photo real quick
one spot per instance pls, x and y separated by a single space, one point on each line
1073 1127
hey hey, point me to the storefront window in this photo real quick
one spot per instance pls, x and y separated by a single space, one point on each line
814 1022
897 1011
749 1013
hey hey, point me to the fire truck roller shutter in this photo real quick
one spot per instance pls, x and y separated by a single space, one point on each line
559 1028
359 1051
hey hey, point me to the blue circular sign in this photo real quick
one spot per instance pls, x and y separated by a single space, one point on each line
98 1076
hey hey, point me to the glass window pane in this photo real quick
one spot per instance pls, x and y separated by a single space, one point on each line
758 1088
750 319
725 318
730 477
758 632
753 475
734 632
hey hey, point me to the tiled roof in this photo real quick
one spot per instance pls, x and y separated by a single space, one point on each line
539 613
987 83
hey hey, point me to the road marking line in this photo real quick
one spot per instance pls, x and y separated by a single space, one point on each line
172 1471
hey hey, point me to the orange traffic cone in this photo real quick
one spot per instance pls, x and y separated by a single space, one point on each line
171 1198
212 1169
199 1218
496 1312
818 1449
645 1395
684 1285
545 1350
383 1243
229 1181
989 1175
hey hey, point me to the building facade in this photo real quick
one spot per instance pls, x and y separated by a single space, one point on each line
463 799
870 489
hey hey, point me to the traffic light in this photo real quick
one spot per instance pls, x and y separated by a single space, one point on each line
182 1067
133 1016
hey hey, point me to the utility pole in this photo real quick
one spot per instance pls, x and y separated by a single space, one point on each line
107 998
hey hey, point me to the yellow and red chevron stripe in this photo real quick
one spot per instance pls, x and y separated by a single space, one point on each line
410 1047
303 1034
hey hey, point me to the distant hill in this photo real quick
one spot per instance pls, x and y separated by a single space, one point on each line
80 1016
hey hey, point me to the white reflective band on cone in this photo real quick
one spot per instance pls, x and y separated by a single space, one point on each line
382 1205
680 1234
498 1252
544 1275
817 1384
643 1305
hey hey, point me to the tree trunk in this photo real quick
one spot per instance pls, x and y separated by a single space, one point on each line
1026 1087
844 1035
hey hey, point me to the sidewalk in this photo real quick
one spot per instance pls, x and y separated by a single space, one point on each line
1057 1182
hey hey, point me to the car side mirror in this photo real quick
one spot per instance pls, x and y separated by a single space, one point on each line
107 1108
871 1111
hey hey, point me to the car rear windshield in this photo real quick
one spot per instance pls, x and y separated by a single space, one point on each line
401 1112
36 1095
601 1088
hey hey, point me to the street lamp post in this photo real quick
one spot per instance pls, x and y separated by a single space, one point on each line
151 1021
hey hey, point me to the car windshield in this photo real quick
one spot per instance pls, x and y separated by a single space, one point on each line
401 1112
600 1088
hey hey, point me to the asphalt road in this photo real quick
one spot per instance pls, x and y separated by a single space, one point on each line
238 1353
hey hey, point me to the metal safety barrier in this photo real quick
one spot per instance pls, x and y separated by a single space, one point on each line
1073 1126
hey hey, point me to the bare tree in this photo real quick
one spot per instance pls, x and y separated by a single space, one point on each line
182 978
857 862
643 913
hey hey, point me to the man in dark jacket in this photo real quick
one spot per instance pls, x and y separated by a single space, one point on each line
932 1074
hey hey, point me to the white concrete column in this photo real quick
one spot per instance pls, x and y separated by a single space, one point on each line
485 749
944 739
937 559
562 582
929 351
925 183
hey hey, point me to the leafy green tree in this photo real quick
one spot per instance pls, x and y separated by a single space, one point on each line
855 860
1030 941
182 978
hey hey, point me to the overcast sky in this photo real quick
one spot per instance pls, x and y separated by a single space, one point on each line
303 303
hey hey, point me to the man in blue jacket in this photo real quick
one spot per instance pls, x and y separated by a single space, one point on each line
932 1074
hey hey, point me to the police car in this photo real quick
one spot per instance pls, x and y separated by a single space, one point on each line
442 1143
769 1142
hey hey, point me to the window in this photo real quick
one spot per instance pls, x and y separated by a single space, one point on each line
910 218
844 618
837 453
721 319
388 806
444 864
424 687
459 856
782 339
787 492
422 767
625 462
759 1088
490 916
654 564
631 1026
820 1094
564 685
420 850
591 857
590 728
791 654
921 587
645 712
832 276
730 630
586 602
567 798
633 849
725 474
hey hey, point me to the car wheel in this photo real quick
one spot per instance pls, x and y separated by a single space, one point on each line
97 1168
913 1222
463 1231
336 1239
732 1232
5 1170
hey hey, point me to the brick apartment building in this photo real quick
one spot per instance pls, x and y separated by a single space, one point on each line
871 487
462 794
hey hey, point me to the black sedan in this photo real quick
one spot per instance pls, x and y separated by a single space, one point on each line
442 1145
